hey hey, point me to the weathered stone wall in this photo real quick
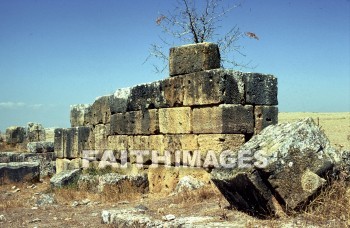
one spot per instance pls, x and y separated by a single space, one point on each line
200 107
34 132
33 144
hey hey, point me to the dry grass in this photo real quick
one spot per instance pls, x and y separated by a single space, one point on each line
110 193
120 192
333 204
21 147
9 199
196 196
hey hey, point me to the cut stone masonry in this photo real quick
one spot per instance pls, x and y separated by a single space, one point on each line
199 107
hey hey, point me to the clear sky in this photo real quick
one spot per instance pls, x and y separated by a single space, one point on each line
57 53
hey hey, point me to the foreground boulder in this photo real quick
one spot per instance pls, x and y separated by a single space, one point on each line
289 163
19 172
65 178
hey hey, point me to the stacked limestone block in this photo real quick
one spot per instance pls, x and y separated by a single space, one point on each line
34 132
15 135
199 107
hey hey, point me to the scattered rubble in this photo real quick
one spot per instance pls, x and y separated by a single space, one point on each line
133 218
46 199
188 183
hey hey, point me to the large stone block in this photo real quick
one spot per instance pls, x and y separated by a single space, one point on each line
156 143
146 96
65 178
135 123
149 122
175 120
224 119
193 58
213 87
174 147
220 142
50 134
19 172
100 110
246 191
188 142
173 91
59 142
70 142
264 116
291 159
139 152
138 142
261 89
15 135
119 100
164 179
118 142
101 133
78 113
35 132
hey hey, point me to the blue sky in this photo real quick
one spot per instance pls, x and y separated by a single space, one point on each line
57 53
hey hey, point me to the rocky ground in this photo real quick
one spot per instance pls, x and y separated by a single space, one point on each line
38 205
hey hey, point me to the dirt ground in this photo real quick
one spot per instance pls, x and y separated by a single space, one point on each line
81 208
19 208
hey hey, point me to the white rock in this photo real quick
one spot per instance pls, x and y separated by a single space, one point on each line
169 217
75 204
2 218
189 183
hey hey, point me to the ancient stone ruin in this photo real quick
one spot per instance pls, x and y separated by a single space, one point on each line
298 158
200 107
30 156
201 126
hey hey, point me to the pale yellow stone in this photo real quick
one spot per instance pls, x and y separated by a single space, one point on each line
175 120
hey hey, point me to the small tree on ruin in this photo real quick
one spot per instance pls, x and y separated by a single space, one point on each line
192 22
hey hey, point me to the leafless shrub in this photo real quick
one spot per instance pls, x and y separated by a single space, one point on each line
192 22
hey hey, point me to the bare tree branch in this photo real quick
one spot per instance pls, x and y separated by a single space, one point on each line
191 23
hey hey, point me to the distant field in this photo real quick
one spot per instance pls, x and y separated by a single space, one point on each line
335 125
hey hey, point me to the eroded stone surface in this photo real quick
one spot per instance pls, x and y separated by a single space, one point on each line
292 161
78 113
35 132
19 172
193 58
15 134
40 147
65 178
224 119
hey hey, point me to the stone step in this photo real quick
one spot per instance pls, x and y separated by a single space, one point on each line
19 172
